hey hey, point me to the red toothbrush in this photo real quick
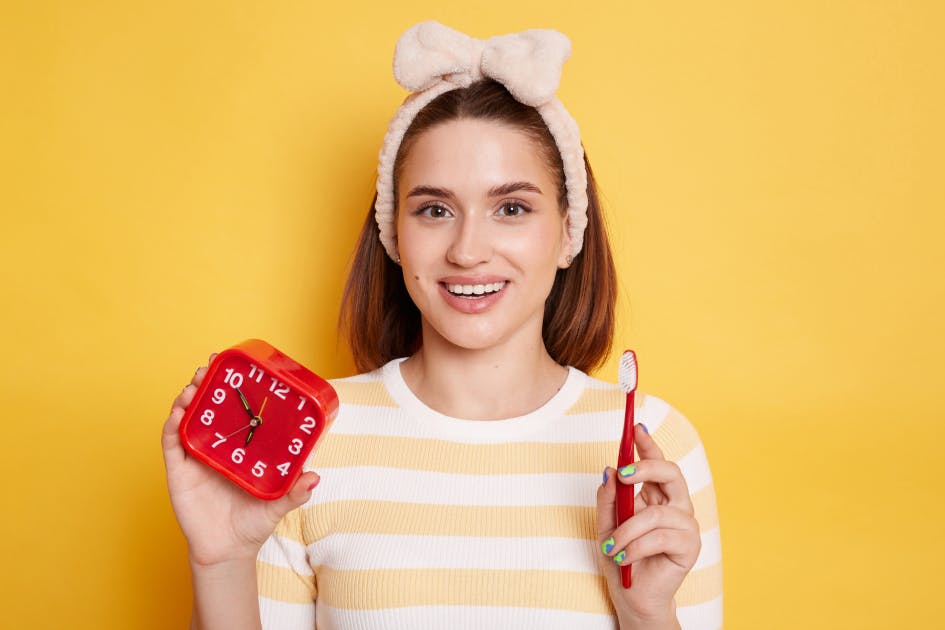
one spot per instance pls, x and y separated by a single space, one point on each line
627 377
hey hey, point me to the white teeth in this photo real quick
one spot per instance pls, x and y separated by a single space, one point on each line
474 289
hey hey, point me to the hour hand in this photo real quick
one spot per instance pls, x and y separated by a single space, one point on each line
245 403
255 422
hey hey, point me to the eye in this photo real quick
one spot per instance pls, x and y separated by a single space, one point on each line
513 209
434 211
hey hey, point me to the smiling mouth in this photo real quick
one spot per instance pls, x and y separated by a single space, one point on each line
473 291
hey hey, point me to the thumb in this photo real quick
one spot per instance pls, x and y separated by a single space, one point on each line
606 505
300 493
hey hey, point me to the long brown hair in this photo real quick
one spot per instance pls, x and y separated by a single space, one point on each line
380 320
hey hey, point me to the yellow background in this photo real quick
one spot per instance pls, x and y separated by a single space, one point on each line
176 177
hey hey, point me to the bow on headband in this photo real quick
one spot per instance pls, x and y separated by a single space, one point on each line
528 64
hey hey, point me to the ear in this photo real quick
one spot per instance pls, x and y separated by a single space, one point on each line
564 256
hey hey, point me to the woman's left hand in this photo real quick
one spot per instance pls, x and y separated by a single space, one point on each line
661 540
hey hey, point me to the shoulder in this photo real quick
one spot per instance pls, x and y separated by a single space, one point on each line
671 429
365 389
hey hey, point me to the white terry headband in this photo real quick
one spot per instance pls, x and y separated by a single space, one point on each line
431 59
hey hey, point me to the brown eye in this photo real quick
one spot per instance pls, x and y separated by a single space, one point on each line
513 209
434 211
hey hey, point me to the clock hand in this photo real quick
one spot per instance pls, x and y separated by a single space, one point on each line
238 430
255 422
245 403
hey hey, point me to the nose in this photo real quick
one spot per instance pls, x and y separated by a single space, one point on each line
472 243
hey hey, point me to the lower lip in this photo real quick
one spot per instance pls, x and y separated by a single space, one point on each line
472 304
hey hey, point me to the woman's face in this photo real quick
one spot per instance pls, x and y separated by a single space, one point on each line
480 233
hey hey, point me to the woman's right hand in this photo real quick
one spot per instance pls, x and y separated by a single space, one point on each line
220 520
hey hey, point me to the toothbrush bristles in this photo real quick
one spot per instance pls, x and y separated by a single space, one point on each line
627 372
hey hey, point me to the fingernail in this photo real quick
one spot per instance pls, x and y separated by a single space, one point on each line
606 475
608 546
315 483
628 471
643 426
620 557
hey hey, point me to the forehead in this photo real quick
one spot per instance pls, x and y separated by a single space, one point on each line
474 151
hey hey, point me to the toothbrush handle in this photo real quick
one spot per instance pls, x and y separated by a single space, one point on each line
625 492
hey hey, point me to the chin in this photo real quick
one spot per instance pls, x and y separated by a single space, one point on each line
466 339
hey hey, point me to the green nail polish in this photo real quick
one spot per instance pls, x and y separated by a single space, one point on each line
628 471
608 546
620 557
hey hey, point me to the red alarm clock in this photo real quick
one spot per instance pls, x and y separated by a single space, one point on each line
256 417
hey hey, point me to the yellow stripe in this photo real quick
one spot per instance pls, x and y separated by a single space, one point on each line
369 393
284 585
373 589
700 586
290 526
676 436
413 519
341 450
704 507
602 400
416 519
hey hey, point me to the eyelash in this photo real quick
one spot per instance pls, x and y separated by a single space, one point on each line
426 208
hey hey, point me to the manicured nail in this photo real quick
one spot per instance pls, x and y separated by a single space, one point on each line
606 475
620 557
643 426
628 471
608 546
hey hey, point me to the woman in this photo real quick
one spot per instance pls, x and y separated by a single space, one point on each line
462 473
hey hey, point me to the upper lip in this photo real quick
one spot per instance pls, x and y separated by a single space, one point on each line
472 280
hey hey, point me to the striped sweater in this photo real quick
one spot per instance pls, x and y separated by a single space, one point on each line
426 521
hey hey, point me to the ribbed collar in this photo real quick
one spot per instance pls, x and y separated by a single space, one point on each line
482 430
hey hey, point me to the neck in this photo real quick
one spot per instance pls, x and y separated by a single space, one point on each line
503 381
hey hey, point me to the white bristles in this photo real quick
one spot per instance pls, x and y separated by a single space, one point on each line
627 372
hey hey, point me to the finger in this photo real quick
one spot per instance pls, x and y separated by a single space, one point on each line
650 518
170 438
666 474
185 396
646 446
300 493
679 546
606 504
198 376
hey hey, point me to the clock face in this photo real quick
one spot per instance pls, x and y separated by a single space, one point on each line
252 425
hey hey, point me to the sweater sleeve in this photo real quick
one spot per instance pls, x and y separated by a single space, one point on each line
699 599
285 579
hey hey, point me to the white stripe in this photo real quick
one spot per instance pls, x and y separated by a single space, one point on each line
277 615
411 486
373 483
389 551
711 552
285 553
461 618
705 616
695 469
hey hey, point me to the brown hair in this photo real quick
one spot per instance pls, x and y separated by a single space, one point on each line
380 320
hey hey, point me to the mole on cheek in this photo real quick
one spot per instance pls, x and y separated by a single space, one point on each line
416 277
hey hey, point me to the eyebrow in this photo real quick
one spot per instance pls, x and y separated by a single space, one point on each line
495 191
